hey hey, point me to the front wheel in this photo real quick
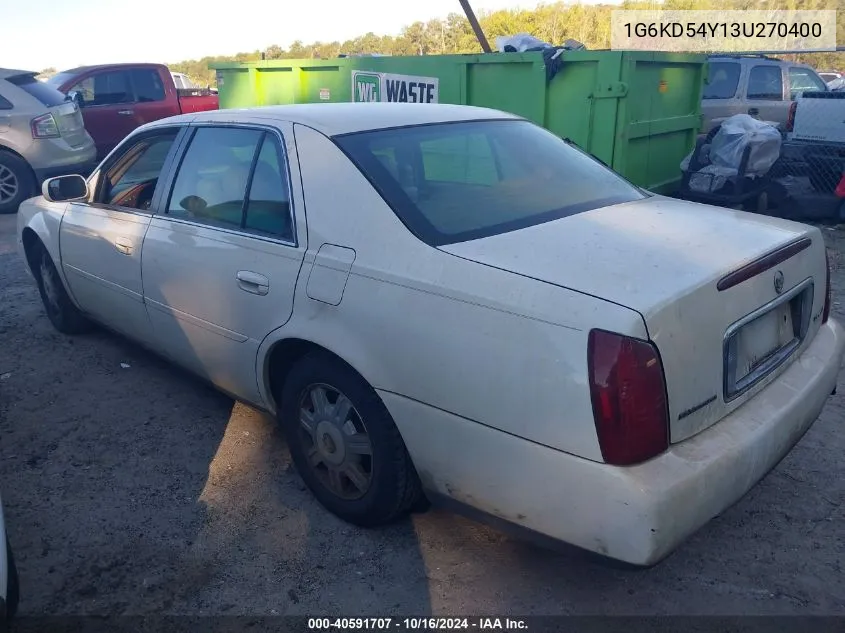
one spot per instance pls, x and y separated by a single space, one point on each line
345 444
61 311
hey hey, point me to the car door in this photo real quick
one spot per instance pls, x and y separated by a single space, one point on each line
101 239
222 257
766 93
107 101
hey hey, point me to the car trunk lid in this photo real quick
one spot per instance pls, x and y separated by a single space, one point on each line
665 259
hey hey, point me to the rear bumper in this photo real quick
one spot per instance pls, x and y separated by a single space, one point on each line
636 514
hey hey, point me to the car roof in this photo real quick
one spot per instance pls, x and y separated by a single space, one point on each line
11 72
84 69
333 119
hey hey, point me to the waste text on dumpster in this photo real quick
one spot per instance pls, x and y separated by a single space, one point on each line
372 86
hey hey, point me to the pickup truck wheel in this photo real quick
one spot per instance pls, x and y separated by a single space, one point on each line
12 584
16 182
61 311
345 444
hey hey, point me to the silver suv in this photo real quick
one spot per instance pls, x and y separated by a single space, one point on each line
41 135
761 86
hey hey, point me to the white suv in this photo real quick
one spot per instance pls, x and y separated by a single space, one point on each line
41 135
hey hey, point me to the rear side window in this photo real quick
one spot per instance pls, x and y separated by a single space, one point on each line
804 80
765 82
454 182
233 178
5 104
45 94
722 80
147 84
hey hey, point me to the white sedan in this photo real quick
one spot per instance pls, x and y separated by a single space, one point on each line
453 302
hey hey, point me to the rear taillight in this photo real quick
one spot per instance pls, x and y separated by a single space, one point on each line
827 292
628 391
790 119
840 188
44 126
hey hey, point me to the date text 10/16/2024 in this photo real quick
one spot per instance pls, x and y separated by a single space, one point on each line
417 624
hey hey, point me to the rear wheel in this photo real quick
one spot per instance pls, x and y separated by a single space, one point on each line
16 182
61 311
345 444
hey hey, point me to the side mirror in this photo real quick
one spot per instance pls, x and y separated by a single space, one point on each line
65 189
76 97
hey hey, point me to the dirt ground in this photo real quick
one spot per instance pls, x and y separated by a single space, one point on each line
139 489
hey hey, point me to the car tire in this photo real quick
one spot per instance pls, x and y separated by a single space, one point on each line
330 438
61 311
17 182
12 584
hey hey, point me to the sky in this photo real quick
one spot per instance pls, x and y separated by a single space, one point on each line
68 33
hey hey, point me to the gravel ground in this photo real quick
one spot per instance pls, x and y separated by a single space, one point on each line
140 489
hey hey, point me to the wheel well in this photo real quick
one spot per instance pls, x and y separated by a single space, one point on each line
282 358
31 247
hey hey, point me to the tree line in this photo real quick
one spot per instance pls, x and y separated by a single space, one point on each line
551 23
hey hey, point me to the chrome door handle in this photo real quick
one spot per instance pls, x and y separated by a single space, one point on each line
253 282
125 112
124 245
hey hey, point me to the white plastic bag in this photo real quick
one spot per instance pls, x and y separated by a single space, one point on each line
521 42
710 178
737 133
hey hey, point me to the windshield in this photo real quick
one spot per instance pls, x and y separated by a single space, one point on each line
47 95
722 80
453 182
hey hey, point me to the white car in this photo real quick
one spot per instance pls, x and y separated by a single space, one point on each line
9 589
452 300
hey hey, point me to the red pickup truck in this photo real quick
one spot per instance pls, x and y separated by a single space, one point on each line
117 98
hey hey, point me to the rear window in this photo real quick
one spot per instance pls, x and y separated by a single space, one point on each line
722 80
60 79
45 93
454 182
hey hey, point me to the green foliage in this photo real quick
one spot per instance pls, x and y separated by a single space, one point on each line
552 23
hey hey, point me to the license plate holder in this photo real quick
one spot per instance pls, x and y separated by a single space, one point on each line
759 343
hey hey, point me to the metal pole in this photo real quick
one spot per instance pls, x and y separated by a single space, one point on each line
476 27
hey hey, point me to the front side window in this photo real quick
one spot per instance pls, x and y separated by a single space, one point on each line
765 82
109 88
131 180
722 80
804 80
454 182
235 178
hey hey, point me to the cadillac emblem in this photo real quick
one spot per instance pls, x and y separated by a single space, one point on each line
778 282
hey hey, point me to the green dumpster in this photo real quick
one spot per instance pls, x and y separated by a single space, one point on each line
639 112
